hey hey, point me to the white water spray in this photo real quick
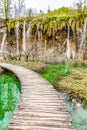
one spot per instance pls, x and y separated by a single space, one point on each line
68 52
39 35
3 43
53 36
24 38
28 36
68 44
45 49
17 37
83 38
29 28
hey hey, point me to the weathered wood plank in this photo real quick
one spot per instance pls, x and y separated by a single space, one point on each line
40 108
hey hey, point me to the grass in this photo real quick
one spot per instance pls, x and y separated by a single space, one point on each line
75 84
68 79
54 73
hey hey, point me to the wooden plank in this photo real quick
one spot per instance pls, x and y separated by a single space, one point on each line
41 107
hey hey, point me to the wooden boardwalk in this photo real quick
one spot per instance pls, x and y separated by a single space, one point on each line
41 107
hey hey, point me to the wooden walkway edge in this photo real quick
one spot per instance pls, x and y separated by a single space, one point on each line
41 107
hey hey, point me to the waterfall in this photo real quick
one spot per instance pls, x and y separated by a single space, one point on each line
68 48
83 38
28 36
17 37
45 49
73 54
24 38
53 37
28 31
68 44
3 43
39 35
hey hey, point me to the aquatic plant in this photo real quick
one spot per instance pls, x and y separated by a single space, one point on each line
9 98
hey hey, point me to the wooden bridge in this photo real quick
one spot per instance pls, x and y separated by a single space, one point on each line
41 107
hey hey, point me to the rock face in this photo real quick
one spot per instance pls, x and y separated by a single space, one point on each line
41 40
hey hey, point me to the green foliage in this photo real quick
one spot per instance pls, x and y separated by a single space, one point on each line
60 11
73 83
8 88
9 97
54 72
11 23
5 8
57 19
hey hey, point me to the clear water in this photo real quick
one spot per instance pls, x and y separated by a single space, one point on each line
9 98
77 112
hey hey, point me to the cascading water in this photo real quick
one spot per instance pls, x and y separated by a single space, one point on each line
68 50
83 38
68 44
45 49
3 43
17 37
53 37
73 54
39 35
24 42
28 35
28 31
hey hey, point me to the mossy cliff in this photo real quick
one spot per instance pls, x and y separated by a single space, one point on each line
48 31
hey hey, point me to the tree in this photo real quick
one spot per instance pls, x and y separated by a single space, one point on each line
81 6
15 10
41 13
48 10
84 6
5 7
30 12
20 7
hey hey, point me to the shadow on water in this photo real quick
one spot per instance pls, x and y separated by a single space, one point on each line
77 112
9 98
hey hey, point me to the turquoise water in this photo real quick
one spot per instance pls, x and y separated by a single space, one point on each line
9 98
77 111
